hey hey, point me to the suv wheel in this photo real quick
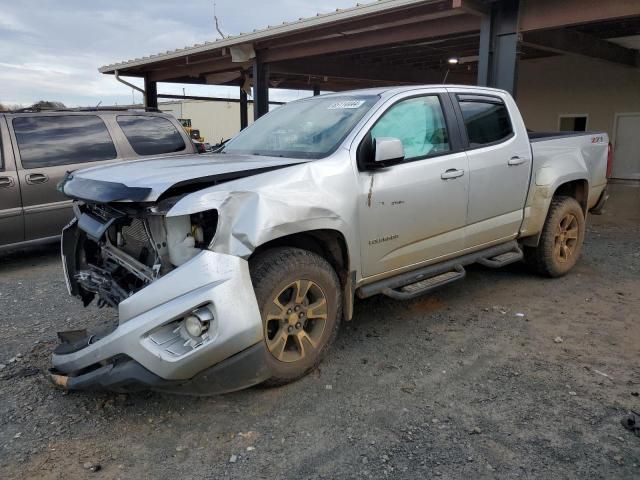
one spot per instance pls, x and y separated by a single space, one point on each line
561 239
300 302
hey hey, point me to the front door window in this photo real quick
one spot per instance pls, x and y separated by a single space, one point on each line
418 123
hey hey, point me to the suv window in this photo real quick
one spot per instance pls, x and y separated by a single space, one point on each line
151 135
419 123
46 141
486 120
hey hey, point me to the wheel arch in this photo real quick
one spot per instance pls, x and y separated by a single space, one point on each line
329 244
538 208
578 189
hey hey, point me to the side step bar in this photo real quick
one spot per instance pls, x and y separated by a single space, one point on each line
421 287
412 284
502 259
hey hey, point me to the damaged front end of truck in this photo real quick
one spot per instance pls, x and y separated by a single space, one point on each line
188 320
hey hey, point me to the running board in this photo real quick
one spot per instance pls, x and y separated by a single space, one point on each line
502 259
417 282
421 287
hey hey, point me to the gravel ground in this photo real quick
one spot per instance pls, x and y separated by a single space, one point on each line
471 382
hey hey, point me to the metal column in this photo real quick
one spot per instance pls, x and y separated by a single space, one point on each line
498 56
244 111
260 87
150 93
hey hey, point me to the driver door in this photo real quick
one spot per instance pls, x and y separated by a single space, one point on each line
414 212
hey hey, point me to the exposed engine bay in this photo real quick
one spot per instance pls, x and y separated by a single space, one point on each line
124 247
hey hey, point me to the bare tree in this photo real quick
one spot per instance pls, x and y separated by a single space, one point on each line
48 105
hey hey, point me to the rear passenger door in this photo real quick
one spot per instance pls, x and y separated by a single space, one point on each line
11 220
153 135
500 159
47 147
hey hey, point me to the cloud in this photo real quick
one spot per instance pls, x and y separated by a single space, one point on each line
51 50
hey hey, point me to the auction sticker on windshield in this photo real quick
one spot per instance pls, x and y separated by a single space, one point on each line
346 104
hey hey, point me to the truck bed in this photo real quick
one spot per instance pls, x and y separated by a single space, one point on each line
565 154
541 136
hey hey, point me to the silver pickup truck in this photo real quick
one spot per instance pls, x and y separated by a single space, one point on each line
236 268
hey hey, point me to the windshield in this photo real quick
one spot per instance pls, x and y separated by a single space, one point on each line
310 128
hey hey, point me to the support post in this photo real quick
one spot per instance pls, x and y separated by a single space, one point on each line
150 93
260 87
498 55
485 51
244 111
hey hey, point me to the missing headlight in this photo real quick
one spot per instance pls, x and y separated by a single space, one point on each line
187 235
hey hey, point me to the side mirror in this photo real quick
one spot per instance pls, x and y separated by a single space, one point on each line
388 149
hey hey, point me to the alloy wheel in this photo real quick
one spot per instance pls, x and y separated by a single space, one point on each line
295 321
566 238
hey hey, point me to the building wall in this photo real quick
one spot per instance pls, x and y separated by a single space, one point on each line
216 120
549 87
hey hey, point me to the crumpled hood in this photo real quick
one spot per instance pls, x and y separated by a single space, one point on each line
146 180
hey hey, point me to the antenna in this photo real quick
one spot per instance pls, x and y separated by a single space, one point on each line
215 17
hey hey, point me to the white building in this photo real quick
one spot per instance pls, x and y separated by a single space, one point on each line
216 120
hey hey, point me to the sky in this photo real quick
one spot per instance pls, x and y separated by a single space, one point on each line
51 49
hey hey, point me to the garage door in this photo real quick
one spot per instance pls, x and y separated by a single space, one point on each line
626 163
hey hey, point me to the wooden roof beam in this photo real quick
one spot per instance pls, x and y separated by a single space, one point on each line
197 70
324 68
411 14
543 14
405 33
578 43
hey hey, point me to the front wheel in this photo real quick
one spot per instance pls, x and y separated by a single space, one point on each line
561 239
300 301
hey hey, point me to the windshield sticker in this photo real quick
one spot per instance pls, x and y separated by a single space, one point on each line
346 104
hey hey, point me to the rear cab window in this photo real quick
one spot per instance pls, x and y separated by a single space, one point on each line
486 120
149 135
45 141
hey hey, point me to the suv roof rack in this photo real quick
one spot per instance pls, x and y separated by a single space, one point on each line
85 109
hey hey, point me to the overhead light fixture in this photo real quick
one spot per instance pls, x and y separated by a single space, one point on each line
453 61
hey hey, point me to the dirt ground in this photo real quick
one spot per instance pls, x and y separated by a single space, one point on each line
469 382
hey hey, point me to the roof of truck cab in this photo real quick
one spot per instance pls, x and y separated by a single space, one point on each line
389 91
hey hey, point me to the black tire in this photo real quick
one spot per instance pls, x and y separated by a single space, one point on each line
550 257
278 275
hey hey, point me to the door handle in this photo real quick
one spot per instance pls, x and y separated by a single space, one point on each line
6 182
451 173
35 178
513 161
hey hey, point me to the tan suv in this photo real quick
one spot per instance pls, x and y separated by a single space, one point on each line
38 148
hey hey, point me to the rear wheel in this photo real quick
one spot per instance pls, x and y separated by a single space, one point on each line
300 300
561 239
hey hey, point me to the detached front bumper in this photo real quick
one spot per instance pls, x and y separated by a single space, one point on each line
146 349
240 371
